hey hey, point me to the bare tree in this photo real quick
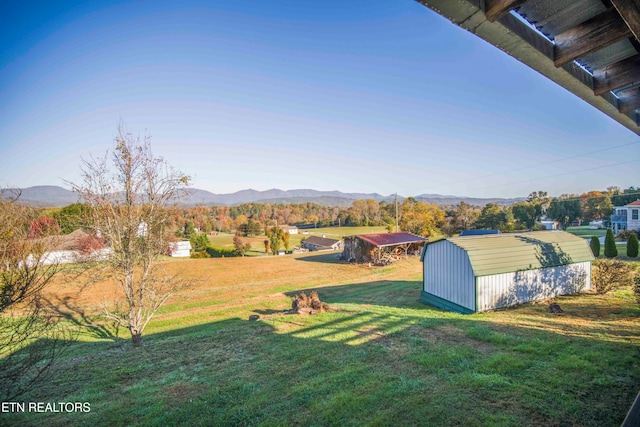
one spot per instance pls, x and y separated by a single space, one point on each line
130 194
30 338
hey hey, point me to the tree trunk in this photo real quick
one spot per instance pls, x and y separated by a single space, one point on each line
136 337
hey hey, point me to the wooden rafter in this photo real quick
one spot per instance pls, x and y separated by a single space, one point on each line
495 9
590 36
629 100
614 76
630 12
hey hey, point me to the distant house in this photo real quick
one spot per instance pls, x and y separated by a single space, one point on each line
292 229
478 232
382 247
315 243
70 248
480 273
548 224
626 217
595 225
180 249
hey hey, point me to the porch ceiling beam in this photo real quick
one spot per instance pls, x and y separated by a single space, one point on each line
630 12
495 9
629 100
590 36
621 74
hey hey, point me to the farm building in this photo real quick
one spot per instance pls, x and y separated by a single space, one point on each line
180 249
315 243
291 229
480 273
70 248
548 224
381 248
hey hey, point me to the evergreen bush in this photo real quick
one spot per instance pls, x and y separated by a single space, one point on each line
610 250
595 246
632 246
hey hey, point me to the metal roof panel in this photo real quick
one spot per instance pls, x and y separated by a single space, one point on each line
507 253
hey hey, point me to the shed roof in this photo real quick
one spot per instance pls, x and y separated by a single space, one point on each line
66 242
391 239
507 253
478 232
320 241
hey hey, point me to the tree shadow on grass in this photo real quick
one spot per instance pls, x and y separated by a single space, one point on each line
413 367
330 257
66 309
389 293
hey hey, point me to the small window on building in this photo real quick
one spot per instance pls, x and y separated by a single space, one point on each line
634 213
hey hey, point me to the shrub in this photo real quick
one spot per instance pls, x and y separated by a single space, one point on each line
610 250
595 246
220 252
636 287
632 246
609 274
200 254
625 234
199 242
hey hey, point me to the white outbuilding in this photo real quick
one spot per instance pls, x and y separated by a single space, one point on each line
480 273
180 249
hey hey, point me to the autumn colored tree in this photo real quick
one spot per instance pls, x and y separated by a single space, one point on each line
130 192
240 246
595 205
275 237
31 338
420 218
286 241
43 226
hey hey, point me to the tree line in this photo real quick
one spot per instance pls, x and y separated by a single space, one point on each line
413 215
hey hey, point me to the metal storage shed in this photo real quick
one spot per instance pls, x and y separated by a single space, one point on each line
480 273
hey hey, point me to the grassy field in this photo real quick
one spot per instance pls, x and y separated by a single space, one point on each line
381 358
586 232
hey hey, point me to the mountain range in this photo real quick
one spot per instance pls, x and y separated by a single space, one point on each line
54 196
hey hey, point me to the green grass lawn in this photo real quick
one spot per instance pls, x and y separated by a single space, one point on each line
381 358
586 232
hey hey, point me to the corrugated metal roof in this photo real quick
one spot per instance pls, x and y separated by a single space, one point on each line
390 239
506 253
320 241
478 232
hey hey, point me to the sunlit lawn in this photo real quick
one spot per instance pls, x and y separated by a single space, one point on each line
381 358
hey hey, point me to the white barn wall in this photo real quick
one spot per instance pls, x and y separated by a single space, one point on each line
507 289
452 279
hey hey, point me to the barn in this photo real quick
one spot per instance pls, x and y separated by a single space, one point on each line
381 248
480 273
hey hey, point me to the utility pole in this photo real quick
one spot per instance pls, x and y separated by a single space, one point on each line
396 212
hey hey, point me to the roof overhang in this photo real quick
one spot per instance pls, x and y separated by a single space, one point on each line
589 47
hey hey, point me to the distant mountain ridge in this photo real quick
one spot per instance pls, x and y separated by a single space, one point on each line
54 196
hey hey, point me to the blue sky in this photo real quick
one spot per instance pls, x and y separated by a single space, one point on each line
340 95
